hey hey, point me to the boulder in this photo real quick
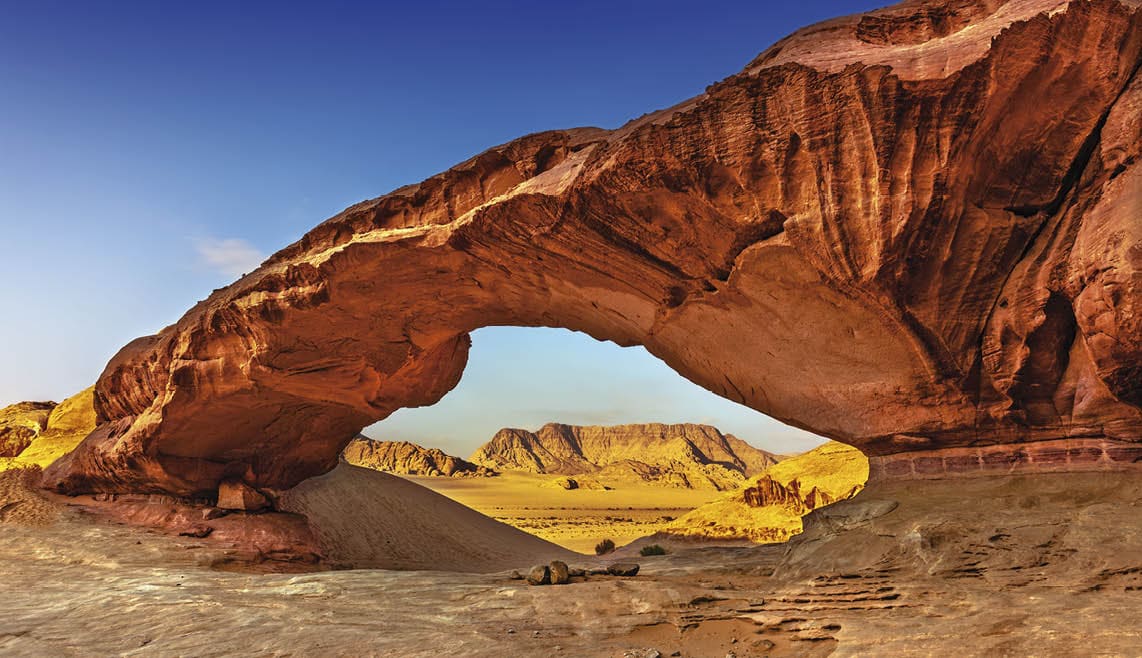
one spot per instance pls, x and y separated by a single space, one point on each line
625 569
560 574
234 495
539 575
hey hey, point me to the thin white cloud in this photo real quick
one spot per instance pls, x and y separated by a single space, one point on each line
230 256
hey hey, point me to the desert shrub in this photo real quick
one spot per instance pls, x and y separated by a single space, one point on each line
652 549
604 547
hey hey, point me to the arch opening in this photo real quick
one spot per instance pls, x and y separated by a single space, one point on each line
578 441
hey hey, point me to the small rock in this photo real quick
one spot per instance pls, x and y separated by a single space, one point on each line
676 653
597 572
511 631
233 495
576 572
535 633
197 532
559 573
626 569
211 513
515 575
539 575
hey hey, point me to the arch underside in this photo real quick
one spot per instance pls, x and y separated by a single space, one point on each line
920 265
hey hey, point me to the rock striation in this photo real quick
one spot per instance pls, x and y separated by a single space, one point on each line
682 455
404 458
913 230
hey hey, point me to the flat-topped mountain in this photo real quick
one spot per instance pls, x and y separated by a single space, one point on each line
683 455
404 458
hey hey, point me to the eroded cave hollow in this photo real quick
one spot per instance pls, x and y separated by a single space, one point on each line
925 243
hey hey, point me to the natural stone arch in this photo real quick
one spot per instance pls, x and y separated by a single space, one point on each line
912 253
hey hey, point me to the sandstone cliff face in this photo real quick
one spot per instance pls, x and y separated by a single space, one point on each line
769 507
404 458
682 455
915 231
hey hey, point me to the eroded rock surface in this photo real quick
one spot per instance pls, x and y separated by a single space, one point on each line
911 231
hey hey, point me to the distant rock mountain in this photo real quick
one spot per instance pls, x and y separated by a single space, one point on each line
684 455
404 458
770 506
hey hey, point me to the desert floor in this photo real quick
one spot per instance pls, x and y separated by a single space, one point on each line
1044 565
576 519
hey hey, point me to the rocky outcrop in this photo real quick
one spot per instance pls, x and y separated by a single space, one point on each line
770 506
20 423
682 455
912 230
38 433
404 458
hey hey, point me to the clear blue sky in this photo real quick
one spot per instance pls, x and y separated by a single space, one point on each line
151 151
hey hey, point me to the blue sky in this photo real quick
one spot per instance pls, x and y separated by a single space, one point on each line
152 151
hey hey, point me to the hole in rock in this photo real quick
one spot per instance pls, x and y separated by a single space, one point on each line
589 440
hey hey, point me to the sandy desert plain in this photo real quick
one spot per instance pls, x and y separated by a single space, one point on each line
576 519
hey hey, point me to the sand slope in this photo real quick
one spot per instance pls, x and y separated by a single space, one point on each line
366 518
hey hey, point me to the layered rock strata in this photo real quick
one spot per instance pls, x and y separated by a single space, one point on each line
912 230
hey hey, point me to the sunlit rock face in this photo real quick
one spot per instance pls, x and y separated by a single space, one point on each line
913 231
684 455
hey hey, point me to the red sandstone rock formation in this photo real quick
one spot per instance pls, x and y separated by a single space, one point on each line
911 231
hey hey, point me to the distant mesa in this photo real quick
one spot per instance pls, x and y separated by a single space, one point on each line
684 455
769 508
404 458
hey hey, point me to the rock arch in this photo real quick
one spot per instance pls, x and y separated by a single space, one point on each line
927 247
